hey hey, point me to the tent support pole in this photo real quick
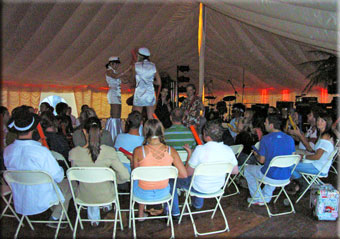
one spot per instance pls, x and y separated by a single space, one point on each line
201 54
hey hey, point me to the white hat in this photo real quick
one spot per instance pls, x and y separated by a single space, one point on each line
114 58
144 51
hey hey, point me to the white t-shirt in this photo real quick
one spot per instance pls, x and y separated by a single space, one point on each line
211 152
328 147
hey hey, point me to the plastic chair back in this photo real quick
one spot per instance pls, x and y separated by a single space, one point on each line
183 154
154 173
213 169
91 174
237 149
284 161
27 177
59 157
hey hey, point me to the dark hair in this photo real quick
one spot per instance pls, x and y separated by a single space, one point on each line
23 117
47 105
153 127
276 120
61 108
328 130
213 128
51 108
48 120
192 86
177 114
93 127
3 110
84 107
134 119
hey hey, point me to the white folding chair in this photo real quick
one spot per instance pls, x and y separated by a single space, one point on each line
122 158
31 178
6 192
315 179
152 174
237 149
94 175
60 157
213 170
335 159
278 162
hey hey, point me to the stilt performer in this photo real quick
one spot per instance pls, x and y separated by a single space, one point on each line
114 96
146 76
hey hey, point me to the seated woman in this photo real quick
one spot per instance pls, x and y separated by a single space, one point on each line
132 139
154 152
246 138
323 148
94 154
56 141
78 136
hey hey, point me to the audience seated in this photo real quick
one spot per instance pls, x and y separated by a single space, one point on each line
323 148
44 106
130 140
237 113
56 141
27 154
178 135
275 143
75 121
246 138
154 152
213 151
78 136
96 155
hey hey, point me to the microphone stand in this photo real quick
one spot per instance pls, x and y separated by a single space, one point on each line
235 92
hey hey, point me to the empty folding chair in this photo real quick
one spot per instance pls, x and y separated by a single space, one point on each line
94 175
36 178
316 178
237 149
152 174
213 170
278 162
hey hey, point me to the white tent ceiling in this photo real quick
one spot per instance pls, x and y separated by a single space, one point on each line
261 41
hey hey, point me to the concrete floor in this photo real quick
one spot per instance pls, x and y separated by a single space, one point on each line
243 222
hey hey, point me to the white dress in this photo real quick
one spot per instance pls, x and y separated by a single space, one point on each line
145 92
114 94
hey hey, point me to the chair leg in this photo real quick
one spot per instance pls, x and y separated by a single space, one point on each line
183 208
133 221
310 184
258 189
115 223
171 222
19 226
76 223
66 215
277 196
120 217
29 223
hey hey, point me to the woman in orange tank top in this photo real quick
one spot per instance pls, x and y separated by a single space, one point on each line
154 152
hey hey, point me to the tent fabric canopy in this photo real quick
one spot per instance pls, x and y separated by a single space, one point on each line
260 42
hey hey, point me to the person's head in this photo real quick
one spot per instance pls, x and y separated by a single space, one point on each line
4 114
44 106
86 114
61 108
48 120
272 110
143 54
69 111
244 125
237 110
84 107
153 129
114 61
134 120
93 132
51 108
221 107
273 122
190 90
324 122
176 116
313 115
248 114
23 122
213 131
164 92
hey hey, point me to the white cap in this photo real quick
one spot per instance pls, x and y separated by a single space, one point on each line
144 51
114 58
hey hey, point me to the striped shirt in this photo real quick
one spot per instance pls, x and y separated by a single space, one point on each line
178 135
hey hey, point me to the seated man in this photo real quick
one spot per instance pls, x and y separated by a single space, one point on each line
275 143
28 154
178 135
214 151
132 139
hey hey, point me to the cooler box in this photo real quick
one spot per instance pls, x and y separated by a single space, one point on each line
324 200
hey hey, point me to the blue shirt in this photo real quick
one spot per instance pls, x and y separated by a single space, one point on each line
128 141
30 155
272 145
